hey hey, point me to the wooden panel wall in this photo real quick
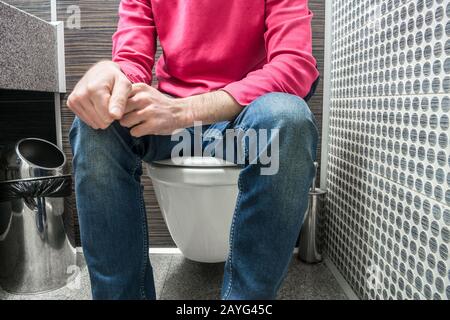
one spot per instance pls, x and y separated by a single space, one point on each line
38 8
92 43
316 103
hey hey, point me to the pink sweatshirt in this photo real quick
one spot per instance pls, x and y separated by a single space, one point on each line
245 47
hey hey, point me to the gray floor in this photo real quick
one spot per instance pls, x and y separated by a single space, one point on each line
178 278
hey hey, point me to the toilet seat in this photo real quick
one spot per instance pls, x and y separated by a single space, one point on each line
195 171
195 162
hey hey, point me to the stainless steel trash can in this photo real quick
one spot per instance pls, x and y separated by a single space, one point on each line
312 231
35 254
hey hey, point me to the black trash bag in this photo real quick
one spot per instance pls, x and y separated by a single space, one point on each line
52 187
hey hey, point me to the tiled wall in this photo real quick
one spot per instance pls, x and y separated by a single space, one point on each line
389 155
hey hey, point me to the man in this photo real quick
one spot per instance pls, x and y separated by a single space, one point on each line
229 64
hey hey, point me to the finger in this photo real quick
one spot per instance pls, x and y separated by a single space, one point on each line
138 87
131 119
119 97
135 103
139 130
101 122
91 114
100 102
81 113
74 103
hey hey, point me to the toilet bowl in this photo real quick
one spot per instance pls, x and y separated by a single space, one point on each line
197 197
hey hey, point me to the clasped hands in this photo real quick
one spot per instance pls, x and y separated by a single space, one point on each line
105 95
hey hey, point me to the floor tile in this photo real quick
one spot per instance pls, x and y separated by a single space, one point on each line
310 282
161 265
192 280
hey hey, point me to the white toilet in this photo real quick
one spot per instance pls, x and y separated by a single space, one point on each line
197 197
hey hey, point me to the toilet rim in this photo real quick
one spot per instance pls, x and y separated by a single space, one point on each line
194 162
174 173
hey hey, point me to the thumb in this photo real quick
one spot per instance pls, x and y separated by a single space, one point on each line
119 97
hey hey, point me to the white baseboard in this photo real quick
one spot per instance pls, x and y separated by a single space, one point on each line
177 251
164 251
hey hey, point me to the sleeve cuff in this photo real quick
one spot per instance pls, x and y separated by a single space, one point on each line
133 72
237 91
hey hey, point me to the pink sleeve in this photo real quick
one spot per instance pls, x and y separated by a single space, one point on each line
134 43
290 67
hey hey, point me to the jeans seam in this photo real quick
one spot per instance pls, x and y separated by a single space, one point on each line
142 210
232 231
144 238
230 258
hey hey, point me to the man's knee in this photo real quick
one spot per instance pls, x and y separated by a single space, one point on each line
95 150
283 130
85 139
89 139
282 111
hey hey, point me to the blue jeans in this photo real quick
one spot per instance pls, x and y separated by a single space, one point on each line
266 223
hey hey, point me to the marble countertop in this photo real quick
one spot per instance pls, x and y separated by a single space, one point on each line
28 51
